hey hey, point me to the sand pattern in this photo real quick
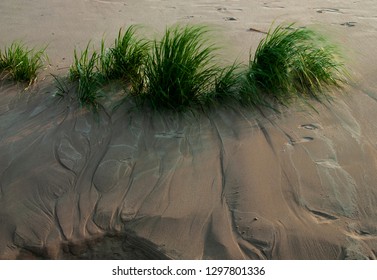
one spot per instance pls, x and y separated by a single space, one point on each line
226 184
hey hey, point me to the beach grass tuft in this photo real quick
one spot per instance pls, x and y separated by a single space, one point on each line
126 58
291 63
21 63
124 61
84 71
181 70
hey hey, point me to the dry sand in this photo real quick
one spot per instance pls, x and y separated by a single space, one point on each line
230 184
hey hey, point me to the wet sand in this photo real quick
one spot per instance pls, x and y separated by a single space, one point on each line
226 184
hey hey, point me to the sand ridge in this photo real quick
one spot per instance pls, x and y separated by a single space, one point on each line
226 184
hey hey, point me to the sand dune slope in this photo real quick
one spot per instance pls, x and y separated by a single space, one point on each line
226 184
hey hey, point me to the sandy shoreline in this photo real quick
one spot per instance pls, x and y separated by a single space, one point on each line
229 184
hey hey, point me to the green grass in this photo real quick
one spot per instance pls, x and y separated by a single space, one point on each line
62 88
181 71
127 57
291 63
21 63
84 71
123 61
226 86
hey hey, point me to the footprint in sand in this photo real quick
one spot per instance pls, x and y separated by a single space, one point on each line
328 10
110 2
302 140
272 6
305 139
349 24
309 126
222 9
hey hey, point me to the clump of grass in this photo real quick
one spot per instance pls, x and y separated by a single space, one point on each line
226 86
122 61
84 70
126 58
291 63
21 63
181 70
